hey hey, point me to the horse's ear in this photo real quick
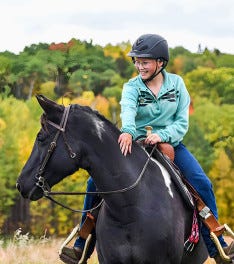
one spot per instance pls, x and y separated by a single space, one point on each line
46 104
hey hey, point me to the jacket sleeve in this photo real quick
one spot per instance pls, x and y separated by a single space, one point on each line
129 101
176 131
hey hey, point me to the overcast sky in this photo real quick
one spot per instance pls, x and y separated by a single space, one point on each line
186 23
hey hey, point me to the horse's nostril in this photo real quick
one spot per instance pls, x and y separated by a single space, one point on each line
18 186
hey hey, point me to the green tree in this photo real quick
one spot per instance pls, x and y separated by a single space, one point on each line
215 84
197 143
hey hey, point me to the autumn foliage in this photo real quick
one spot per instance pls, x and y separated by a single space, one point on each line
79 72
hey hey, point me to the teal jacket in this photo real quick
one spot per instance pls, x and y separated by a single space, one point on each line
168 113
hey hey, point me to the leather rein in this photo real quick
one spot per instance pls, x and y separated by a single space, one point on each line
43 184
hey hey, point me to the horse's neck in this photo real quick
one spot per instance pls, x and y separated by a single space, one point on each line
104 161
111 170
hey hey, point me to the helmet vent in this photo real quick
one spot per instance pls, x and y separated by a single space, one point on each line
139 41
144 47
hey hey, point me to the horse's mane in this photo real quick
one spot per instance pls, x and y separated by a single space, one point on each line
91 111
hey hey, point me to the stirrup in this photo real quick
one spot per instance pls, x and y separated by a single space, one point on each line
75 230
218 245
85 251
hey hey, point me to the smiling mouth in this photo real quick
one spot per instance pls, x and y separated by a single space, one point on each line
143 74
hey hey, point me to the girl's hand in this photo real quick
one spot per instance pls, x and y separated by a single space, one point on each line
153 139
125 143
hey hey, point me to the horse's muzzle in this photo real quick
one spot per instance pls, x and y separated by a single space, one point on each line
17 186
33 195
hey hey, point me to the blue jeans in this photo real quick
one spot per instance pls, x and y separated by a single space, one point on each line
192 171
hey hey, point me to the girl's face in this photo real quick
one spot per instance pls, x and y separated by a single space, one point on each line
147 67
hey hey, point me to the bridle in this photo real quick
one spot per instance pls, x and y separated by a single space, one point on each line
43 184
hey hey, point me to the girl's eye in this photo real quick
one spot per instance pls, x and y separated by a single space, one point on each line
144 64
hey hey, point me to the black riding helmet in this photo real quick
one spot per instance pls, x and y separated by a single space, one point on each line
150 46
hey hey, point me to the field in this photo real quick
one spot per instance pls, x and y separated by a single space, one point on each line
25 250
39 253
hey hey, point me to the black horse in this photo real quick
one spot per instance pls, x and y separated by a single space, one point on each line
143 218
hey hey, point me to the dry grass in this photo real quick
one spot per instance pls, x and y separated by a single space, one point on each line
30 254
34 253
46 253
41 251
